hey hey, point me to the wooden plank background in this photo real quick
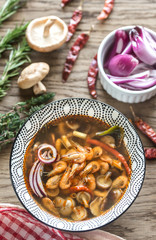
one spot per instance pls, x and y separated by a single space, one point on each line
139 222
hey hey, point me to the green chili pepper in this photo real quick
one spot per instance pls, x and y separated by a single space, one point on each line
116 130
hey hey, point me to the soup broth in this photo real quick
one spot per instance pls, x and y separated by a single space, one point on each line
75 172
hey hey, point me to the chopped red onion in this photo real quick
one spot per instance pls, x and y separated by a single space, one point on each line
141 75
128 49
122 65
133 67
143 45
143 83
120 42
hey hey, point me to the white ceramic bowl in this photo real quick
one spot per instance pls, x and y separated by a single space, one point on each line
115 91
68 107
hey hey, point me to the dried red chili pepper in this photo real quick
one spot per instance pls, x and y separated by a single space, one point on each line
73 54
108 7
144 127
150 153
92 77
65 2
74 21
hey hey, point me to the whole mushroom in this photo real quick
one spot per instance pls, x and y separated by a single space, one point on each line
67 207
49 205
97 205
46 34
59 201
79 213
83 198
53 192
32 76
104 181
120 182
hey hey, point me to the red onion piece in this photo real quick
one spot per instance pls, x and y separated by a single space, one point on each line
35 179
143 45
120 42
47 158
39 171
31 177
138 85
128 49
39 194
122 65
143 83
140 75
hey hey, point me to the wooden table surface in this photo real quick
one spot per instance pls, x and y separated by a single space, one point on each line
139 222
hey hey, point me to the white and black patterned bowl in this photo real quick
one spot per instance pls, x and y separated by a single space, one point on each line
77 106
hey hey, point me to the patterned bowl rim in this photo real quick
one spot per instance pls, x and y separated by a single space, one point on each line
102 225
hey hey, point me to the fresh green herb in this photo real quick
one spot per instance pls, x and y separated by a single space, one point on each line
11 37
9 8
11 122
17 58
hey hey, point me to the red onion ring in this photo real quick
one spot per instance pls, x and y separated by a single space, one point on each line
39 171
44 159
31 177
35 179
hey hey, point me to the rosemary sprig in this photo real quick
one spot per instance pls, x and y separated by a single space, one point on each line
9 8
17 58
11 37
11 122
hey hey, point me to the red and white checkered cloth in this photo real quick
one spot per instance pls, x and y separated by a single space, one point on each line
17 223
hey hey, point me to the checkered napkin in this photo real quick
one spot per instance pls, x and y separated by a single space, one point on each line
17 223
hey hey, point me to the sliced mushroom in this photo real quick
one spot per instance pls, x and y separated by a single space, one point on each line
67 208
46 34
95 206
49 205
109 140
120 182
53 182
83 198
59 202
52 192
103 181
32 76
103 194
79 213
72 125
115 194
